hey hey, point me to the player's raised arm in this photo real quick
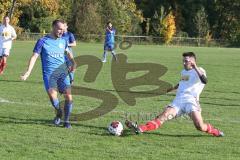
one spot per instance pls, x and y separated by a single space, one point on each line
200 72
30 66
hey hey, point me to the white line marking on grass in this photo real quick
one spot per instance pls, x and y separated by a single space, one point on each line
2 100
5 101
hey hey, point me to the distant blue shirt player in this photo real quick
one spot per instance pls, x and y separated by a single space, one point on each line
52 48
71 41
109 42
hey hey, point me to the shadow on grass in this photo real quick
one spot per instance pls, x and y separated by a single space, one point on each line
216 91
222 105
19 81
15 120
128 133
177 135
94 130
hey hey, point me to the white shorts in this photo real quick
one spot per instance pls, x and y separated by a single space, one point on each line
4 52
185 106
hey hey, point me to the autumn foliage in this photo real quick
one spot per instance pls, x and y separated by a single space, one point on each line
169 28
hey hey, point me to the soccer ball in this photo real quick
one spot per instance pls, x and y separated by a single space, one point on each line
116 128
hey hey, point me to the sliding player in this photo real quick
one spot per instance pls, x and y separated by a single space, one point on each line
193 80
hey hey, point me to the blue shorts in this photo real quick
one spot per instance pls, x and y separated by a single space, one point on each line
109 47
58 81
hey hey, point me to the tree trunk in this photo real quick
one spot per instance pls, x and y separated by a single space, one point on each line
12 8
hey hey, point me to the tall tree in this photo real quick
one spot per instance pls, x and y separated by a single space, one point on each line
86 18
228 19
201 25
37 15
4 7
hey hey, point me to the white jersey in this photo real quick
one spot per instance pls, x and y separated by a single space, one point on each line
190 85
6 35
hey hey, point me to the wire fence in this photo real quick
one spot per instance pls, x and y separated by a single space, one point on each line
176 41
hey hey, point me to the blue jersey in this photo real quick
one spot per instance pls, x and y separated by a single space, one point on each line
109 38
69 37
52 52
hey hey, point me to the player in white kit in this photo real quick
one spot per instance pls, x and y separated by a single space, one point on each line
193 80
7 35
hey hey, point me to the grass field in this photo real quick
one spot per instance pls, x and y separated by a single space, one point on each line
26 131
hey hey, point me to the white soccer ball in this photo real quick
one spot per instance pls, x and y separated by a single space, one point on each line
116 128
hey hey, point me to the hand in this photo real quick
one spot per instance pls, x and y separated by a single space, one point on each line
72 68
109 29
193 64
24 76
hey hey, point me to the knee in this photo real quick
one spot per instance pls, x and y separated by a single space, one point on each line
68 97
163 117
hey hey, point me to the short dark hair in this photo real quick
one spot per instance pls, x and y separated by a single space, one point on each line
6 16
55 22
189 54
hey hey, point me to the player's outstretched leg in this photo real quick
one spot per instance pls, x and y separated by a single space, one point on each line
201 126
154 124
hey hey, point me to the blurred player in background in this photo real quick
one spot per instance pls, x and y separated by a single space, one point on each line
193 80
7 35
109 42
52 48
71 41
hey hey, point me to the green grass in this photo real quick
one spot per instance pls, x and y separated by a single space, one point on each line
26 131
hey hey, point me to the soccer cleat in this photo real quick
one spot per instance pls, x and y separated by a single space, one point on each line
221 134
67 125
57 119
59 113
133 126
104 60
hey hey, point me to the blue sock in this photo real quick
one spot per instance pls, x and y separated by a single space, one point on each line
67 110
105 55
55 103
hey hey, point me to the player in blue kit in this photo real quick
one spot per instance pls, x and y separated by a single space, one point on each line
69 37
52 49
109 42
